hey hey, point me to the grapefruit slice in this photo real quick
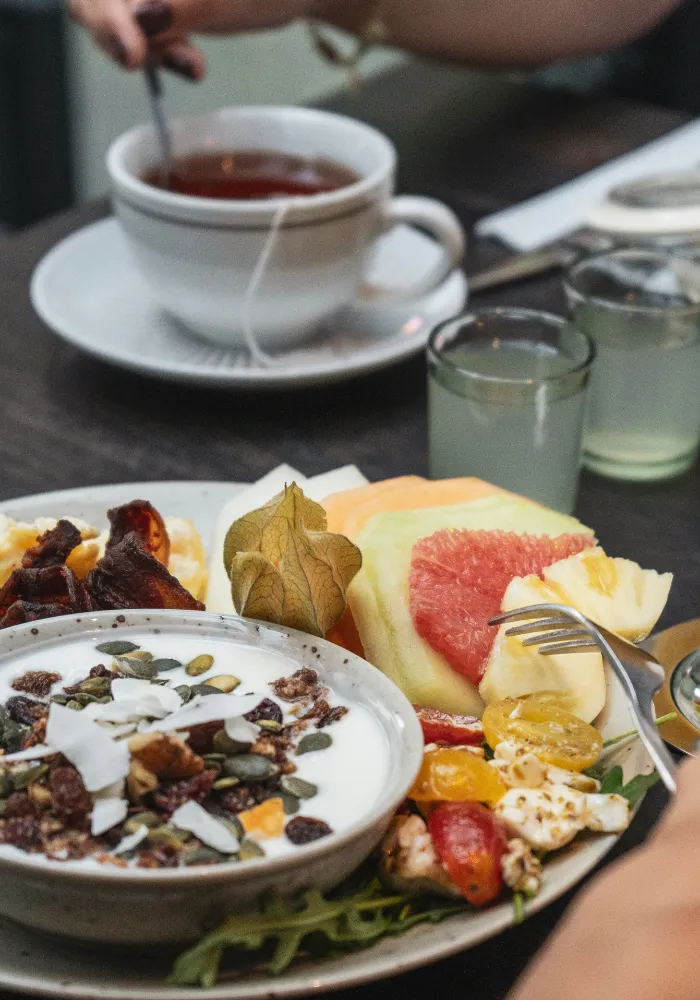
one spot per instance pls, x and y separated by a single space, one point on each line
457 582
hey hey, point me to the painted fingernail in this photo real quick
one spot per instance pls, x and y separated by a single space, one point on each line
181 65
154 17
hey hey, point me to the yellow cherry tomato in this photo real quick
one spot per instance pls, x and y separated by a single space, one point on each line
449 774
545 728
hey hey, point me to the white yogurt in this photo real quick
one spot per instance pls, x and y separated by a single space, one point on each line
349 775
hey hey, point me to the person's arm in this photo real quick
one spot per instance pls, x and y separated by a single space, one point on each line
632 935
504 32
500 32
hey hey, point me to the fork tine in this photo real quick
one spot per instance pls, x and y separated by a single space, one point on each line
539 626
574 646
550 637
525 615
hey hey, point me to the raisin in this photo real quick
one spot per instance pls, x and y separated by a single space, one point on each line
267 709
173 794
332 716
202 736
299 685
22 831
25 710
304 829
238 799
36 682
19 804
69 797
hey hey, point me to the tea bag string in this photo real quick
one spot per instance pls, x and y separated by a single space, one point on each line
259 356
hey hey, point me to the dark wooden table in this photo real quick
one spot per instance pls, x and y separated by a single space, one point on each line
70 421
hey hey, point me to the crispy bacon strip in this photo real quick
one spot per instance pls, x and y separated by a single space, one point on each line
53 547
142 519
129 577
55 588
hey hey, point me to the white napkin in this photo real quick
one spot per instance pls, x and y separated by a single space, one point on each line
554 214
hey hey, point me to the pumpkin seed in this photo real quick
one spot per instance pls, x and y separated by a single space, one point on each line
298 787
140 654
83 698
165 663
290 804
74 705
214 758
116 648
185 692
149 819
249 849
135 668
235 826
199 665
32 774
224 682
223 743
214 765
104 699
7 785
270 725
202 856
98 686
314 741
3 806
168 835
221 784
204 689
250 767
60 699
13 735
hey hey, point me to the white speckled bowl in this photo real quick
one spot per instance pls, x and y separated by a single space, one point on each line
142 906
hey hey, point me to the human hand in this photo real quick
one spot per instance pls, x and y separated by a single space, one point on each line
128 29
632 935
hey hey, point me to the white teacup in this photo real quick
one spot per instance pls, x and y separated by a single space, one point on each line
198 255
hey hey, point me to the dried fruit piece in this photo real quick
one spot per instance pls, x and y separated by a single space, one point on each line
332 715
36 682
267 711
25 710
305 829
264 821
171 795
302 684
69 798
22 831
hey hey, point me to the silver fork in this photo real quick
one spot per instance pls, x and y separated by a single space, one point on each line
639 673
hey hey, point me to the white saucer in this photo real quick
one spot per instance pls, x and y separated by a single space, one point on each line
88 290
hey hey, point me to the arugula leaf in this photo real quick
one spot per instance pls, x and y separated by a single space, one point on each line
612 783
345 921
637 787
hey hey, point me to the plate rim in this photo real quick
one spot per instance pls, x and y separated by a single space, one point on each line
322 977
339 369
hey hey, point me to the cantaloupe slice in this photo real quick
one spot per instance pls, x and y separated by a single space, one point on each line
349 511
379 595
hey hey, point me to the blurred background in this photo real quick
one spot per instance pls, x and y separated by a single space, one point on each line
62 102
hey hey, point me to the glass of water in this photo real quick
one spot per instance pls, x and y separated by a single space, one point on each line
642 310
506 393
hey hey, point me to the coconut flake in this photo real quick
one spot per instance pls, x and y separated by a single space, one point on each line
203 825
241 730
135 700
99 759
207 708
32 753
106 813
131 840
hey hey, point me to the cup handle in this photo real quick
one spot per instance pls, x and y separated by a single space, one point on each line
441 223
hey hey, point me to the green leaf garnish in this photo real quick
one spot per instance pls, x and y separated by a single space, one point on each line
612 783
338 922
637 787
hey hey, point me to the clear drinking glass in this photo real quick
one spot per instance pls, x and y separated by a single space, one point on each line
642 310
506 393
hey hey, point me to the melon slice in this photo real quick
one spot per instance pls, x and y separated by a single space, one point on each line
379 594
513 669
457 583
616 593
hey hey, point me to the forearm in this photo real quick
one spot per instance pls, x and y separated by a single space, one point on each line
504 32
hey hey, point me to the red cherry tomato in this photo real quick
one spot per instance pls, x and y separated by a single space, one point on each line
470 842
454 730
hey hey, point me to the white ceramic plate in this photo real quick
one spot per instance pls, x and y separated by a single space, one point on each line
31 963
89 291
